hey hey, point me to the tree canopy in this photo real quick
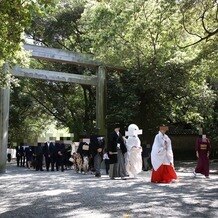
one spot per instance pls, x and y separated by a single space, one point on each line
15 17
167 48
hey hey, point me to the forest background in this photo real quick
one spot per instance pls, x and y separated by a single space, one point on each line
166 50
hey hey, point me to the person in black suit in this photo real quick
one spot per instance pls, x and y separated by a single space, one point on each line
9 153
117 149
18 155
97 144
49 154
39 156
146 157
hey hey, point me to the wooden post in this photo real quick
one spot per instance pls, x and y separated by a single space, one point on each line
4 118
101 101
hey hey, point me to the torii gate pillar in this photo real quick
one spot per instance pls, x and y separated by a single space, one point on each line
101 100
4 119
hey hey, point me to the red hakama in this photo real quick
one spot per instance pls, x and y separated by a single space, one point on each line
164 174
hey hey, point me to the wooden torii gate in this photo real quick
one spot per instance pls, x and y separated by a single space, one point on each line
58 55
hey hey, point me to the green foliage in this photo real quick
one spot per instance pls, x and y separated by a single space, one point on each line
27 118
199 21
15 17
122 101
134 27
59 29
169 81
169 51
73 105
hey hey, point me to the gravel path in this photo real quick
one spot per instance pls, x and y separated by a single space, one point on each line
28 194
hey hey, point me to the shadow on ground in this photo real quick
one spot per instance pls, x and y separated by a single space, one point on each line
27 193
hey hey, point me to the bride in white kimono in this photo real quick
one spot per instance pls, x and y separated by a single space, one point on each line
134 150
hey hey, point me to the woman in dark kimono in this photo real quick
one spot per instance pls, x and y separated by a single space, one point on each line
202 149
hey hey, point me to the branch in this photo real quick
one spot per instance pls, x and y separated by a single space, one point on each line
60 43
201 39
50 111
217 12
183 23
39 40
207 32
203 24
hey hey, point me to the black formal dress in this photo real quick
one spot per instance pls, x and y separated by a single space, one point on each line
29 155
61 153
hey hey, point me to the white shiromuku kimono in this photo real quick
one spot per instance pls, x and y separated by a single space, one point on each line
134 158
160 155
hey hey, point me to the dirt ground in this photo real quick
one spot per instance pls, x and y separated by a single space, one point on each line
28 194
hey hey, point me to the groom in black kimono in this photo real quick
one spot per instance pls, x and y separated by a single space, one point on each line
117 149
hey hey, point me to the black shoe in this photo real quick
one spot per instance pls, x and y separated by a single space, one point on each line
97 175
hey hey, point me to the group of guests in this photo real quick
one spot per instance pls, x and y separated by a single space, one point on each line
125 158
123 155
55 155
89 154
